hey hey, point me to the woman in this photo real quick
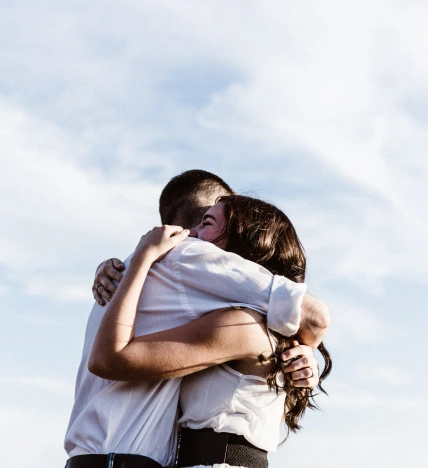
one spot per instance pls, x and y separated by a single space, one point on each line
242 407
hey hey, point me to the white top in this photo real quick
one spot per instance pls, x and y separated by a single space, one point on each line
193 279
225 400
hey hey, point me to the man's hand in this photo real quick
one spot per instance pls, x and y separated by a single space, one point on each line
103 287
303 369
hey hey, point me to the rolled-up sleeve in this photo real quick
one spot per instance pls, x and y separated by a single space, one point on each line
210 277
285 305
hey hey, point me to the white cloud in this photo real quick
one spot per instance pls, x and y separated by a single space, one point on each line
328 447
43 383
4 290
353 323
296 85
57 214
41 432
388 375
361 240
87 107
369 401
37 319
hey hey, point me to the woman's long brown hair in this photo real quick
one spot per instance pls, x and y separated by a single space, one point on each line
260 232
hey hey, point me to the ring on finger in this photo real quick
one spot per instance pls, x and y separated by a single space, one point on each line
98 287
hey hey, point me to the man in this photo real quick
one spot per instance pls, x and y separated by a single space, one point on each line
137 418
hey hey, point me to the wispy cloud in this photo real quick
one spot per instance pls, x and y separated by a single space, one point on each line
42 383
38 319
322 104
4 289
388 375
81 146
366 401
355 323
57 214
35 428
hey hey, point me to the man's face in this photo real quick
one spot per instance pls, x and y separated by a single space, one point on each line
212 227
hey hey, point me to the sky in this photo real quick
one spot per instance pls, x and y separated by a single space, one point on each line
318 107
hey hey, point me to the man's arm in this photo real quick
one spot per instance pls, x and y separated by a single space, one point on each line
314 322
125 357
204 267
228 279
315 316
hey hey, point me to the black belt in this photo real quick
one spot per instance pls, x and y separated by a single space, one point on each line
206 447
111 460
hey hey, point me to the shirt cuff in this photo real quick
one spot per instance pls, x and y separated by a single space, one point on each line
285 305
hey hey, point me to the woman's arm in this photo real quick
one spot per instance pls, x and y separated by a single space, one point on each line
116 330
220 336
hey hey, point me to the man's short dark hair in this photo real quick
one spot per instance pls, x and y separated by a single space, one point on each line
183 200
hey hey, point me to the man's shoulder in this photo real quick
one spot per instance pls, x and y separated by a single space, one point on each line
192 244
128 259
192 247
207 255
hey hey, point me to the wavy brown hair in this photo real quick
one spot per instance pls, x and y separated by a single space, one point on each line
260 232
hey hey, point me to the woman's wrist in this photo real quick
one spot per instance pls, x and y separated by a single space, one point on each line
144 256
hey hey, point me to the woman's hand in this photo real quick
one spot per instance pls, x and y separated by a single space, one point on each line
303 369
159 241
112 348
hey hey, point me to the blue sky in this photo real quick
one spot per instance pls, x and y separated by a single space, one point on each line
319 107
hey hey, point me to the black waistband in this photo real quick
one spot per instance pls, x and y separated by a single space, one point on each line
207 447
111 460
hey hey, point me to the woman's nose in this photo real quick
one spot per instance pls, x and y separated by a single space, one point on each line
194 232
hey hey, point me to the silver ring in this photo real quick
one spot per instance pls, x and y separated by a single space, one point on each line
310 377
96 287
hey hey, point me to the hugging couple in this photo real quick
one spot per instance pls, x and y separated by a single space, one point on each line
199 346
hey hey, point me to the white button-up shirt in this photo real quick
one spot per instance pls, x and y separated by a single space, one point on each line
193 279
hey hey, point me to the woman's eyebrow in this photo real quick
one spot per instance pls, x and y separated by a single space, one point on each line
208 216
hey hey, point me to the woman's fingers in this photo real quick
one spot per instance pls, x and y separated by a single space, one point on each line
160 240
303 369
170 232
173 235
179 236
308 377
297 350
300 363
305 373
